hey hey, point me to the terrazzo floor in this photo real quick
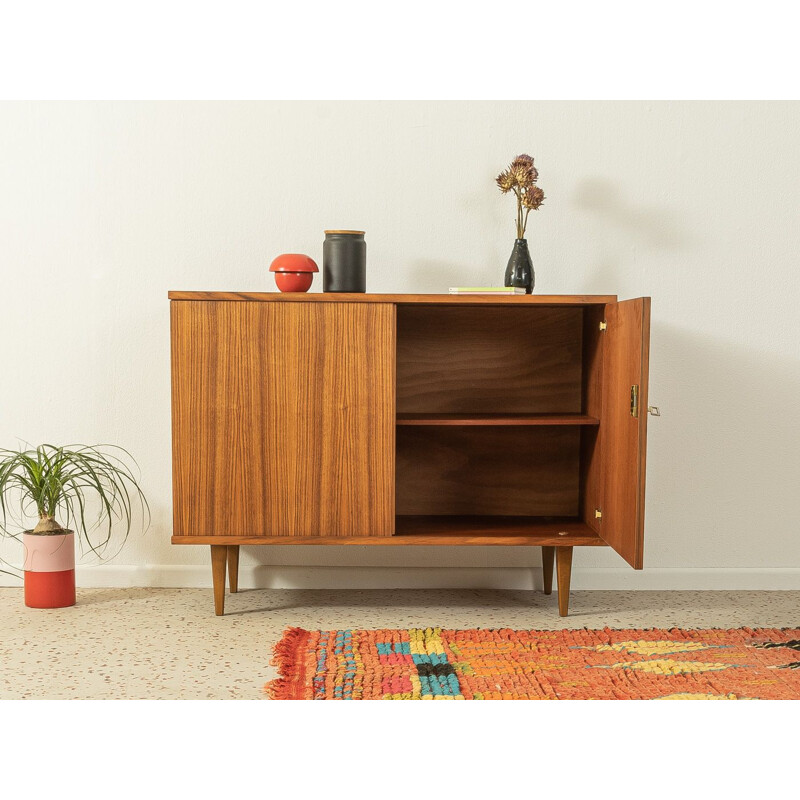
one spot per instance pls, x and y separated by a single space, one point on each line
168 644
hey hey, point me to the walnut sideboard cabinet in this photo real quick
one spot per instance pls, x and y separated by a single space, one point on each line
382 419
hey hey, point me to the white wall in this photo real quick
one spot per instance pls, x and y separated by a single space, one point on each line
104 207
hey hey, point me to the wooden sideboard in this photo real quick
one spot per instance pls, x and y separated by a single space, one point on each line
381 419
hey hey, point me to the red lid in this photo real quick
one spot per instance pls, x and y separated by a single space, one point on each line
293 262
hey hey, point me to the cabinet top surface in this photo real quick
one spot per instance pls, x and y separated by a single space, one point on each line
411 299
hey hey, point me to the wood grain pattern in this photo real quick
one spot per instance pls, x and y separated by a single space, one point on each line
564 569
219 555
529 471
439 530
591 439
283 419
233 567
489 360
625 363
496 419
548 559
417 299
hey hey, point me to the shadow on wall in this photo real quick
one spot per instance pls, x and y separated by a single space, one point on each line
653 227
649 226
723 466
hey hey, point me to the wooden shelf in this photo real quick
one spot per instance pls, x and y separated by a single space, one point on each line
495 530
496 419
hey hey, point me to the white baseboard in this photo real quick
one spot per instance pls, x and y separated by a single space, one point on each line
288 577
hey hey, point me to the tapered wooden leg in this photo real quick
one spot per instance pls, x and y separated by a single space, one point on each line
233 567
548 557
564 568
219 556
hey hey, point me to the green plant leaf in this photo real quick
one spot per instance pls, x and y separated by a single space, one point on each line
58 481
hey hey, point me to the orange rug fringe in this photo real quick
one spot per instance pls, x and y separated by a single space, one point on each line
290 657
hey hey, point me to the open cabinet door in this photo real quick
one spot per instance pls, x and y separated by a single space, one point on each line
624 427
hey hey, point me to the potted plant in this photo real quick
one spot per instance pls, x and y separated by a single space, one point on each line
61 484
521 177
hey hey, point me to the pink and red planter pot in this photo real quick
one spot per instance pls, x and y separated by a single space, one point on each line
294 272
49 570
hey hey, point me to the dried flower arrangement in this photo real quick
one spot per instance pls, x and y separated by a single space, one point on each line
520 177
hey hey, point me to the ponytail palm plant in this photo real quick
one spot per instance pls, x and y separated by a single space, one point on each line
58 484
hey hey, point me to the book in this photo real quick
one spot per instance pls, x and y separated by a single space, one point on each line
486 290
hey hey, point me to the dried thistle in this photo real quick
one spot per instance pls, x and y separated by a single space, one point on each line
532 198
523 175
523 158
505 180
520 177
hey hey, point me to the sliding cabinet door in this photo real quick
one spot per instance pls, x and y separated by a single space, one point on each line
283 418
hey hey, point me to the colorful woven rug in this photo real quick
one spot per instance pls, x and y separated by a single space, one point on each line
437 664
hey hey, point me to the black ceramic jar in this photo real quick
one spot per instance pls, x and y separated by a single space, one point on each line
344 262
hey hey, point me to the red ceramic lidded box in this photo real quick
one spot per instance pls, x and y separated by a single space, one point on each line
294 272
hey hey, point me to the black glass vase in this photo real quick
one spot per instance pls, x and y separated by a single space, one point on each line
519 272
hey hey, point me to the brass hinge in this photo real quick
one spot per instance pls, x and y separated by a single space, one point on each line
598 514
603 325
635 400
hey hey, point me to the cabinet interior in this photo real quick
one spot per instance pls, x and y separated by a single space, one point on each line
498 411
